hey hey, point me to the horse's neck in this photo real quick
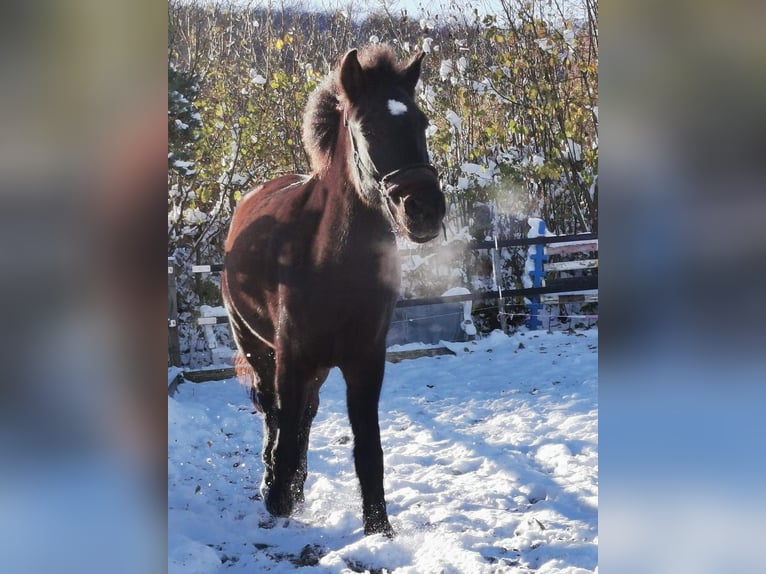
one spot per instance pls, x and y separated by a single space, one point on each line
350 226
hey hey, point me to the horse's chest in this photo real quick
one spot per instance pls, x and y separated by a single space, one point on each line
349 300
368 282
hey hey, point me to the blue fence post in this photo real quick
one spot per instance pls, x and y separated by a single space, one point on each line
538 275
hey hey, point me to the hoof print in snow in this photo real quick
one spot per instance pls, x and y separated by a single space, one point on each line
501 557
345 439
310 556
222 556
271 522
536 499
230 559
356 566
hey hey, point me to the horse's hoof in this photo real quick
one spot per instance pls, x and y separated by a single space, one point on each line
383 528
278 503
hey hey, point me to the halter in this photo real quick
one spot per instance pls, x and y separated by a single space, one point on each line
384 184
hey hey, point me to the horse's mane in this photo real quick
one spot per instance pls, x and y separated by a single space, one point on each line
321 118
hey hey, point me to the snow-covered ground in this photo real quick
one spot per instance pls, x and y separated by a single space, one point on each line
491 461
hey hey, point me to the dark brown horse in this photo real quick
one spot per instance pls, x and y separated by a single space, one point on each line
312 272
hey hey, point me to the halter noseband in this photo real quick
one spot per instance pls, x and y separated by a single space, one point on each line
384 184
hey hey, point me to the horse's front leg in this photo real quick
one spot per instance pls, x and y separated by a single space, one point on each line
363 383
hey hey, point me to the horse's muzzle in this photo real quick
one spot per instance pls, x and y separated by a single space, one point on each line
419 204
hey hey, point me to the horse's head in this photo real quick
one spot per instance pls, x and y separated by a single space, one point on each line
388 156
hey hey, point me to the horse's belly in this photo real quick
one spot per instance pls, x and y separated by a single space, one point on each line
343 328
248 307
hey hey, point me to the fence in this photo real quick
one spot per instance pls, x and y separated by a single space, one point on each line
546 287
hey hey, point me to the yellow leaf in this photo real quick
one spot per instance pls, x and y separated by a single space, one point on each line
279 44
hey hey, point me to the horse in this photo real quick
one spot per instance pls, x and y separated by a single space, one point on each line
312 274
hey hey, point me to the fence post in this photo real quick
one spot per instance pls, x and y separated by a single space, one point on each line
538 276
174 346
497 279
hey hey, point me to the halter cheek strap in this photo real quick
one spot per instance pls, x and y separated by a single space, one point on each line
381 183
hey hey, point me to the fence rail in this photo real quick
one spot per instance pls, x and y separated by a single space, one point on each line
572 284
542 240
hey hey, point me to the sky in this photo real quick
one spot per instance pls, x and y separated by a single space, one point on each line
414 8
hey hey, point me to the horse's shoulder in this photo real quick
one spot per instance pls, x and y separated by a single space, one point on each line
279 189
281 183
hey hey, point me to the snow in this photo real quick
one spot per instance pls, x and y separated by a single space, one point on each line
467 325
208 311
173 372
428 95
194 216
456 291
534 228
445 69
574 149
546 44
257 78
462 65
479 174
454 120
491 461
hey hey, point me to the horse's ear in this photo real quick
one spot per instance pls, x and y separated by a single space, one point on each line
412 73
351 76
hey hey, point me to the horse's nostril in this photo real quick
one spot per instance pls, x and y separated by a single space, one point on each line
414 207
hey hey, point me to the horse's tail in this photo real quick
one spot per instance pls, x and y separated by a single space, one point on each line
243 369
246 376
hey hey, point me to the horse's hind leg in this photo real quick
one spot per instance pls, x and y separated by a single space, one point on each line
264 399
364 379
297 388
261 358
303 434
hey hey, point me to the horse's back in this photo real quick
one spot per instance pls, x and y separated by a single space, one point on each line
266 200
